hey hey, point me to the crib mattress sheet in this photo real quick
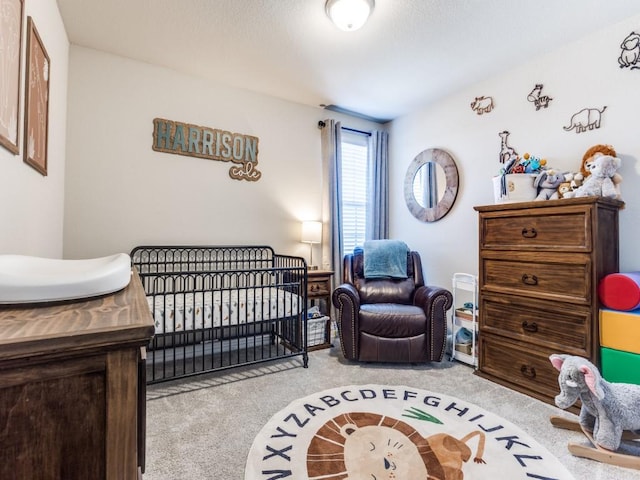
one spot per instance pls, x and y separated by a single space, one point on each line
188 311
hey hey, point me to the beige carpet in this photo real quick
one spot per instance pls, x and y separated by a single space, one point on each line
203 427
395 432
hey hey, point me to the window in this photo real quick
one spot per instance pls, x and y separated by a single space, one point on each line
355 178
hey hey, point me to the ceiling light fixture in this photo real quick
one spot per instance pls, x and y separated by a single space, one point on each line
349 15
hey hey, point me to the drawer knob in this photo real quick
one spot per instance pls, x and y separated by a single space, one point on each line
529 372
530 327
529 279
529 233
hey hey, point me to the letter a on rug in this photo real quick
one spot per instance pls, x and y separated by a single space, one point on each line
394 432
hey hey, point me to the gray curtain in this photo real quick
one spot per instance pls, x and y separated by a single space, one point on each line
331 198
378 212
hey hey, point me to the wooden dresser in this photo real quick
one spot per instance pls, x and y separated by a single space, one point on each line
72 387
539 267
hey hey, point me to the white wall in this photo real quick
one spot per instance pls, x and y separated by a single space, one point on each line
120 193
582 74
31 205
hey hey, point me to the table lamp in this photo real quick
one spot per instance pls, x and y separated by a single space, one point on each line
311 233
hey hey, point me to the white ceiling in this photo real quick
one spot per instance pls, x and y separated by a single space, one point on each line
410 53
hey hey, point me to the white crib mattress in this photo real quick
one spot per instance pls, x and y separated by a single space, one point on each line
188 311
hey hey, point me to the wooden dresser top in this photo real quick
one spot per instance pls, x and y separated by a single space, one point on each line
99 322
600 201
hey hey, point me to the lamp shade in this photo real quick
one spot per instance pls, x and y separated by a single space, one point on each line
349 15
311 232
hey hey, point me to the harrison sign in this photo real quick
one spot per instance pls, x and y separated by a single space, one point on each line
196 141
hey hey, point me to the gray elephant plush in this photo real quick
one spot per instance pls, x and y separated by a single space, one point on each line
607 408
547 183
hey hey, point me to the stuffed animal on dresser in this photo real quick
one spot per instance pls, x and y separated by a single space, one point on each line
574 180
564 189
591 154
599 183
547 183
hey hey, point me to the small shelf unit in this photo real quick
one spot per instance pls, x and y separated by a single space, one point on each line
464 319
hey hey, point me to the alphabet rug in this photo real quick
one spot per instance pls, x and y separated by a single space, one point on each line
377 432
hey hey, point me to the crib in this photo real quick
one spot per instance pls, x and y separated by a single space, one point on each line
219 307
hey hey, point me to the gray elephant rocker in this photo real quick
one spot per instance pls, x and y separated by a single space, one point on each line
610 412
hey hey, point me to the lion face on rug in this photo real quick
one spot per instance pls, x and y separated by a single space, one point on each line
369 445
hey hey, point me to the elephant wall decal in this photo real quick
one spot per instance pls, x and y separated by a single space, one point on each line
586 119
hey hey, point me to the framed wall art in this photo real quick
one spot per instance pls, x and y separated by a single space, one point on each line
11 15
36 106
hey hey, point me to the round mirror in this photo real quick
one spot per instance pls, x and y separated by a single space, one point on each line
431 185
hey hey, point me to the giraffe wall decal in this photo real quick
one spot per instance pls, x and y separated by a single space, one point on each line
506 152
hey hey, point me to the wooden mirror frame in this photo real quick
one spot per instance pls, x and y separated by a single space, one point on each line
448 164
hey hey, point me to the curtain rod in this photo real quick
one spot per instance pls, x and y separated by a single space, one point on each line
321 124
368 134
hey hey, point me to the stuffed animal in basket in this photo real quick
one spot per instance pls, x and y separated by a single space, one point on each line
547 183
600 183
607 408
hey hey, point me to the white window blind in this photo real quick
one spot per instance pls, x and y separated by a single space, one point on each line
355 174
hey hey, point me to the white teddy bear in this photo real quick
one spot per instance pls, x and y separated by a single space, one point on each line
599 182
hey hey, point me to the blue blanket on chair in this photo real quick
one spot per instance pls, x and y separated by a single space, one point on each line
385 259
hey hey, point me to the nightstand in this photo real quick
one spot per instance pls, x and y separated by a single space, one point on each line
319 291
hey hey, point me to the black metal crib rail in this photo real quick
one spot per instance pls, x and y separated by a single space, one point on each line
216 308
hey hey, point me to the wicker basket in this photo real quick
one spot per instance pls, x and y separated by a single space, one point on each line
316 331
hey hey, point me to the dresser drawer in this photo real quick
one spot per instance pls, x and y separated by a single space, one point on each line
551 229
548 324
548 276
519 364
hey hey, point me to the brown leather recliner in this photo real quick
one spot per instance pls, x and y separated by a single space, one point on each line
390 320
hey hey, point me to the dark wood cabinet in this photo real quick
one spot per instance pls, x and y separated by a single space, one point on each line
72 387
539 267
